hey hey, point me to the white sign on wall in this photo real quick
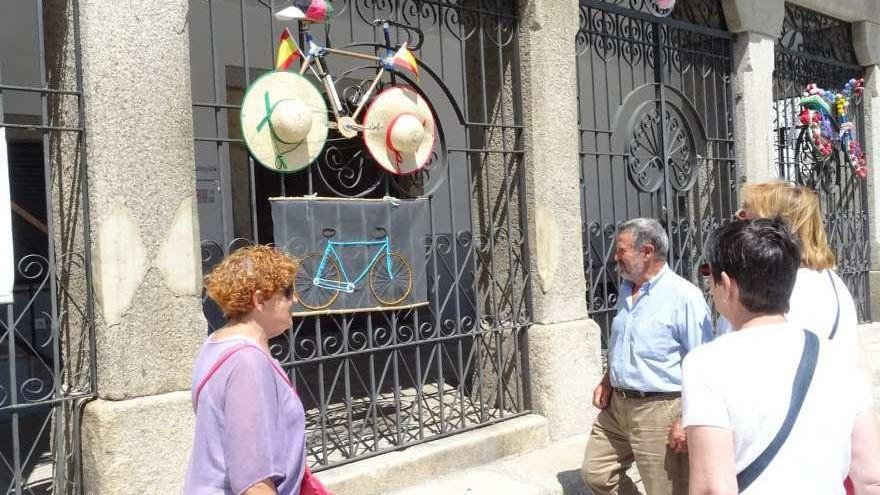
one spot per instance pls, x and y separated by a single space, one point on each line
7 261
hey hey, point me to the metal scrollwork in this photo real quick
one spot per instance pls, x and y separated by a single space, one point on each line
365 376
807 31
815 48
700 12
647 162
645 158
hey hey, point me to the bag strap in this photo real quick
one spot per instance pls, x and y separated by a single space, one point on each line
799 388
222 359
837 316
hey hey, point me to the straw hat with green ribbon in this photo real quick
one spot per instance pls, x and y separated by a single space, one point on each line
284 121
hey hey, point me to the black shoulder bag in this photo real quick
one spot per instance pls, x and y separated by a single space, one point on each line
799 388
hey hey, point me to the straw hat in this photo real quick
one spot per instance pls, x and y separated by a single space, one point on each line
284 121
399 130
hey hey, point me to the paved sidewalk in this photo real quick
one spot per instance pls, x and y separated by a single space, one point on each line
554 470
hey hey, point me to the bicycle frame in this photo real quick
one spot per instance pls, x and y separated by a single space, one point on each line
345 124
348 285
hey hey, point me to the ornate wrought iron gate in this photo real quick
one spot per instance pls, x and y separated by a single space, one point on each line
47 349
380 381
814 48
656 132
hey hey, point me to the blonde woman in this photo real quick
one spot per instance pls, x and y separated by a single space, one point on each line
820 301
250 424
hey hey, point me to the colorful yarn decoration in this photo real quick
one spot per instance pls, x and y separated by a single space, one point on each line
825 114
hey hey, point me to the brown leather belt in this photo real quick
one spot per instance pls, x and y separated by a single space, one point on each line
636 394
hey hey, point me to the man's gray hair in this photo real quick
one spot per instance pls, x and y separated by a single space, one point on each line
647 231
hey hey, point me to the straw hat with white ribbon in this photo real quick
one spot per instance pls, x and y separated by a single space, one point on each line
284 121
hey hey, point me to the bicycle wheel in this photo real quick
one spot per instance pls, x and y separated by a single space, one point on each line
391 287
307 293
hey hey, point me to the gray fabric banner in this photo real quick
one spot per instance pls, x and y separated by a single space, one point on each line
355 254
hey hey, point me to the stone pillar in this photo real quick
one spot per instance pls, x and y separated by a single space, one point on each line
757 24
145 243
866 37
564 344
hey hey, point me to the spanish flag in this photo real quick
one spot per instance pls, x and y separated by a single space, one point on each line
288 52
404 59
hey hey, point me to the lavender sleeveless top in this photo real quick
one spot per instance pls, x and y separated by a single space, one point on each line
250 425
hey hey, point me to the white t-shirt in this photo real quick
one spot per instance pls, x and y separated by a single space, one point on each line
742 382
813 305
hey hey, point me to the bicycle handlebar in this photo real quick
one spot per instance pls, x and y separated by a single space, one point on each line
405 26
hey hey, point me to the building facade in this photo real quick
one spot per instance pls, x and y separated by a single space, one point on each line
556 121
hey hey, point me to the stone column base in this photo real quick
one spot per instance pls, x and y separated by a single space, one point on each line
137 446
874 294
564 367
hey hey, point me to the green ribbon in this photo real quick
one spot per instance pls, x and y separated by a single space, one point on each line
269 109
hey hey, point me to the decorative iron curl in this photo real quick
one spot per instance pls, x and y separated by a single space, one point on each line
368 10
33 267
442 244
427 330
307 347
503 33
644 164
424 15
332 345
358 341
36 390
382 337
461 24
405 334
347 176
276 350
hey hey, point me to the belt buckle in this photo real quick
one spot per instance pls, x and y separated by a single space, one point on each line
631 394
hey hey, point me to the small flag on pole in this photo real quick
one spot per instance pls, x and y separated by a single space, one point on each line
404 59
288 52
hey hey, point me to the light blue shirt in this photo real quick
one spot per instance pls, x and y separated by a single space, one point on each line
650 338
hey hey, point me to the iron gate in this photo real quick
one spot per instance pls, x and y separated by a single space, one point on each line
47 348
656 133
375 382
814 48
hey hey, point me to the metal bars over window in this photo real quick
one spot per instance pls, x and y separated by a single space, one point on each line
815 48
379 381
656 133
47 350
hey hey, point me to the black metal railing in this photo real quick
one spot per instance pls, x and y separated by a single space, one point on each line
379 381
815 48
47 346
656 132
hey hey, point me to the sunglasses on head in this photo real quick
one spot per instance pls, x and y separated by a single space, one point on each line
705 270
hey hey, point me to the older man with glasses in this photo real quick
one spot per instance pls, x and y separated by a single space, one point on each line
660 318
